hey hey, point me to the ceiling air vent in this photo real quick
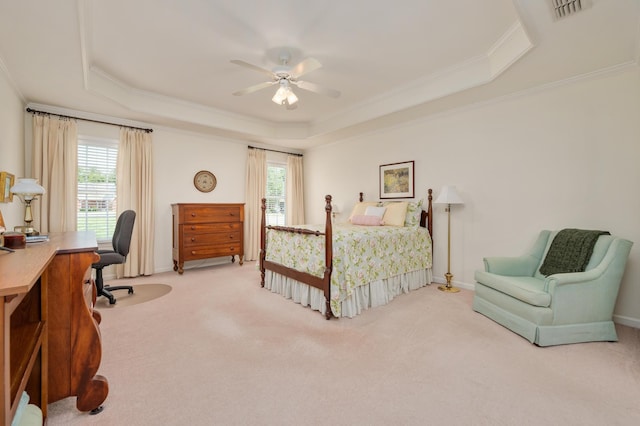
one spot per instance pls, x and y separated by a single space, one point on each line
565 8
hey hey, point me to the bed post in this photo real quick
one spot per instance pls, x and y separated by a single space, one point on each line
328 238
263 223
430 212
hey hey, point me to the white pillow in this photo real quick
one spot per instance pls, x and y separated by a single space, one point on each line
375 211
360 207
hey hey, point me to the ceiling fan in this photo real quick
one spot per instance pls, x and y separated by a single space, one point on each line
285 77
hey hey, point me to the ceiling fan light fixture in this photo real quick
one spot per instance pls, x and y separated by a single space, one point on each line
291 97
281 95
284 94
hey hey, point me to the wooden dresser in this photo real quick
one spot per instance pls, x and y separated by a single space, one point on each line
202 231
48 330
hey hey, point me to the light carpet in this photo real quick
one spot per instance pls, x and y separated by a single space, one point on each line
220 350
141 293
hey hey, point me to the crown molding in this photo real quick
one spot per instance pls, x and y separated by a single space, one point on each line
11 81
510 47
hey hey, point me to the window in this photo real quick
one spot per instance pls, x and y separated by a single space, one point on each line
276 194
97 186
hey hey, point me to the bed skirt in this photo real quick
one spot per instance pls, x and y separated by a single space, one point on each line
376 293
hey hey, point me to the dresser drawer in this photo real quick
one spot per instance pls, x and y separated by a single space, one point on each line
203 252
196 214
210 228
198 239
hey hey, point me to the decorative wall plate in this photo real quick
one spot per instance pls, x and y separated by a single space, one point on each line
205 181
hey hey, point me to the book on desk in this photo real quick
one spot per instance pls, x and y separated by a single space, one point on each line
37 238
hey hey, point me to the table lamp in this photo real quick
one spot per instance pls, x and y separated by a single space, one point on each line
27 190
448 195
335 210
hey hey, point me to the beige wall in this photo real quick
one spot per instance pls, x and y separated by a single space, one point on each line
557 158
11 146
178 156
561 157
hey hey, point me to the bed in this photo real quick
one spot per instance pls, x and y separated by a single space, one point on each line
347 268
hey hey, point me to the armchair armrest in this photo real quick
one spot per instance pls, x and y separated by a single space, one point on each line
589 296
582 297
557 280
520 266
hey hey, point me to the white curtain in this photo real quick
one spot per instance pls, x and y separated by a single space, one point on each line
55 165
256 185
135 192
295 191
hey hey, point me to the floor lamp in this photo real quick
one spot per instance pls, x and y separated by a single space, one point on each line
448 196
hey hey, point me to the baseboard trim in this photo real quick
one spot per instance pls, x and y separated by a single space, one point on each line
628 321
455 283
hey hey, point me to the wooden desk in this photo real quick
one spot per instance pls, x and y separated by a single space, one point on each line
47 319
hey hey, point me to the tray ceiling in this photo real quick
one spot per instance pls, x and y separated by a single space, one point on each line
167 62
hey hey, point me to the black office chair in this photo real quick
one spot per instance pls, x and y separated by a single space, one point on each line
121 242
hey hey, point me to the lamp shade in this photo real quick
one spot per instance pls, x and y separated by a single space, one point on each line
448 195
27 188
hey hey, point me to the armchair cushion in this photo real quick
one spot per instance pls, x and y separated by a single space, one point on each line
528 289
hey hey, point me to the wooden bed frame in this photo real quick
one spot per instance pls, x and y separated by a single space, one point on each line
323 283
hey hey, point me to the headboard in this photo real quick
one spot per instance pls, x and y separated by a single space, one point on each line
426 217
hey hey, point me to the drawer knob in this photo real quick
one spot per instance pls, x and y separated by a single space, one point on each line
193 238
193 215
193 228
193 252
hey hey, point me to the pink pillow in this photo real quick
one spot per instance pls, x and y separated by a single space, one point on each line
361 219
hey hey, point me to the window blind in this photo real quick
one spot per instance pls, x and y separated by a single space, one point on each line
97 198
276 194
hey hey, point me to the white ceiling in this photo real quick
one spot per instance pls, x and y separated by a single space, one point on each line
167 62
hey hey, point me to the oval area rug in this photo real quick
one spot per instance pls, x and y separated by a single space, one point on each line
141 293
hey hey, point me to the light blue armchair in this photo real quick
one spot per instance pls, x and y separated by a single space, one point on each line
560 308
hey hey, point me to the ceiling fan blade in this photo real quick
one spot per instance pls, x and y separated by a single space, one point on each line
312 87
254 88
304 67
253 67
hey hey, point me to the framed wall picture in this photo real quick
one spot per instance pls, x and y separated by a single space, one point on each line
397 180
6 182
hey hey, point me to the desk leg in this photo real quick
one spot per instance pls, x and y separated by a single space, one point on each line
75 344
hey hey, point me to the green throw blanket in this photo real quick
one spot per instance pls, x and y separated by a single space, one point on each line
570 251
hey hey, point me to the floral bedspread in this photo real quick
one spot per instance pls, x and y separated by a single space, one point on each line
361 254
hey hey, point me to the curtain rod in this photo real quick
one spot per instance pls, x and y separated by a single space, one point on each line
33 111
275 150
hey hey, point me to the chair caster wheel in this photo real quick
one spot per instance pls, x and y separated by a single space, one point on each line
112 301
130 291
96 410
